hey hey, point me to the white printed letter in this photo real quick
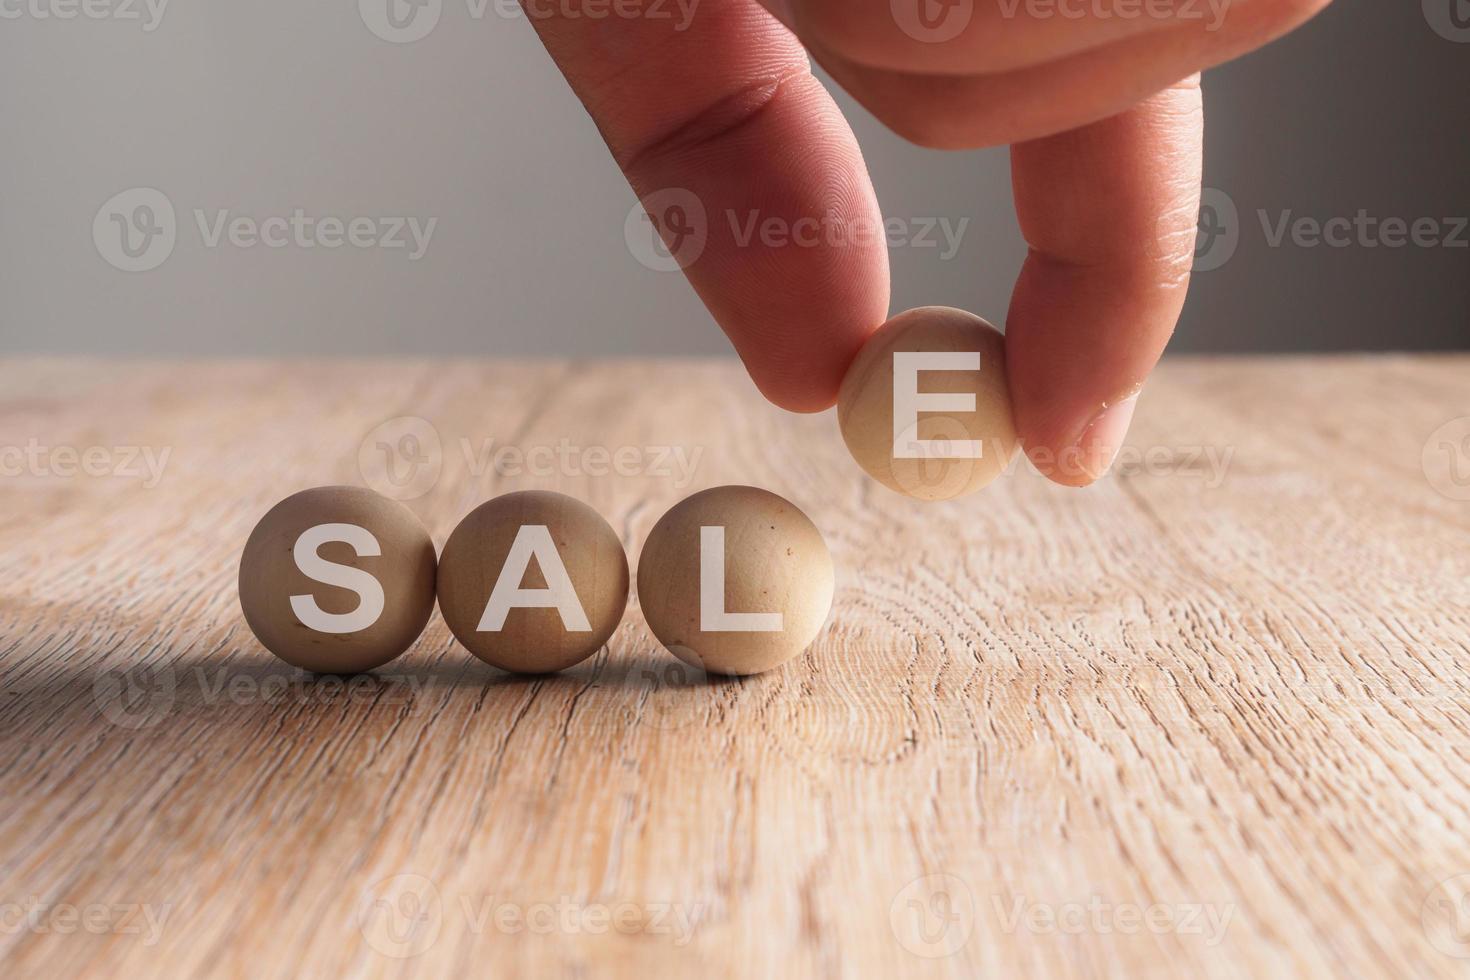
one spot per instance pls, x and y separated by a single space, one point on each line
908 403
712 615
313 566
534 540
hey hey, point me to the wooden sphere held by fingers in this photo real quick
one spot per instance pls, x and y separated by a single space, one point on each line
735 580
337 580
533 582
925 408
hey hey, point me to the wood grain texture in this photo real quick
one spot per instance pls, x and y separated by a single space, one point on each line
1236 697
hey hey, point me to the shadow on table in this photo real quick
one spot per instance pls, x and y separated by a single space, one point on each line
82 695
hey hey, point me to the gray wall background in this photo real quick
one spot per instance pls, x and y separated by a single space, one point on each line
266 106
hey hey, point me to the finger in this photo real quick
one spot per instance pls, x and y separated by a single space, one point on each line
724 106
973 37
947 112
1110 214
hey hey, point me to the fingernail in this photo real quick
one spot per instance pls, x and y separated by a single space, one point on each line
1103 437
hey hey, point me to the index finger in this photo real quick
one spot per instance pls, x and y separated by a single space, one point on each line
739 151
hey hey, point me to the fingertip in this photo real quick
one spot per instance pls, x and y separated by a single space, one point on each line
1081 458
799 400
800 377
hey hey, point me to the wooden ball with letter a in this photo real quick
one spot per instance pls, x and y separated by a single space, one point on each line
533 582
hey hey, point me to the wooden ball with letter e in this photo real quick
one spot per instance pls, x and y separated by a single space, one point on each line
925 408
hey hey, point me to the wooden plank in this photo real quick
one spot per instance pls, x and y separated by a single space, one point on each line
1208 717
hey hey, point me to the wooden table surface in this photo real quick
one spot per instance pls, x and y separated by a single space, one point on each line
1209 717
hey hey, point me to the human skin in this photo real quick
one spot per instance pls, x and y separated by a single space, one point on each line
1103 115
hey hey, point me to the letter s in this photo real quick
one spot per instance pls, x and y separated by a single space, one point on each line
313 566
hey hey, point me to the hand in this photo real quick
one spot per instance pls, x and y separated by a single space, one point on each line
1102 111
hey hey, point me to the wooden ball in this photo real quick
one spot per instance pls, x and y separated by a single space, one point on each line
337 580
533 582
925 408
735 580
